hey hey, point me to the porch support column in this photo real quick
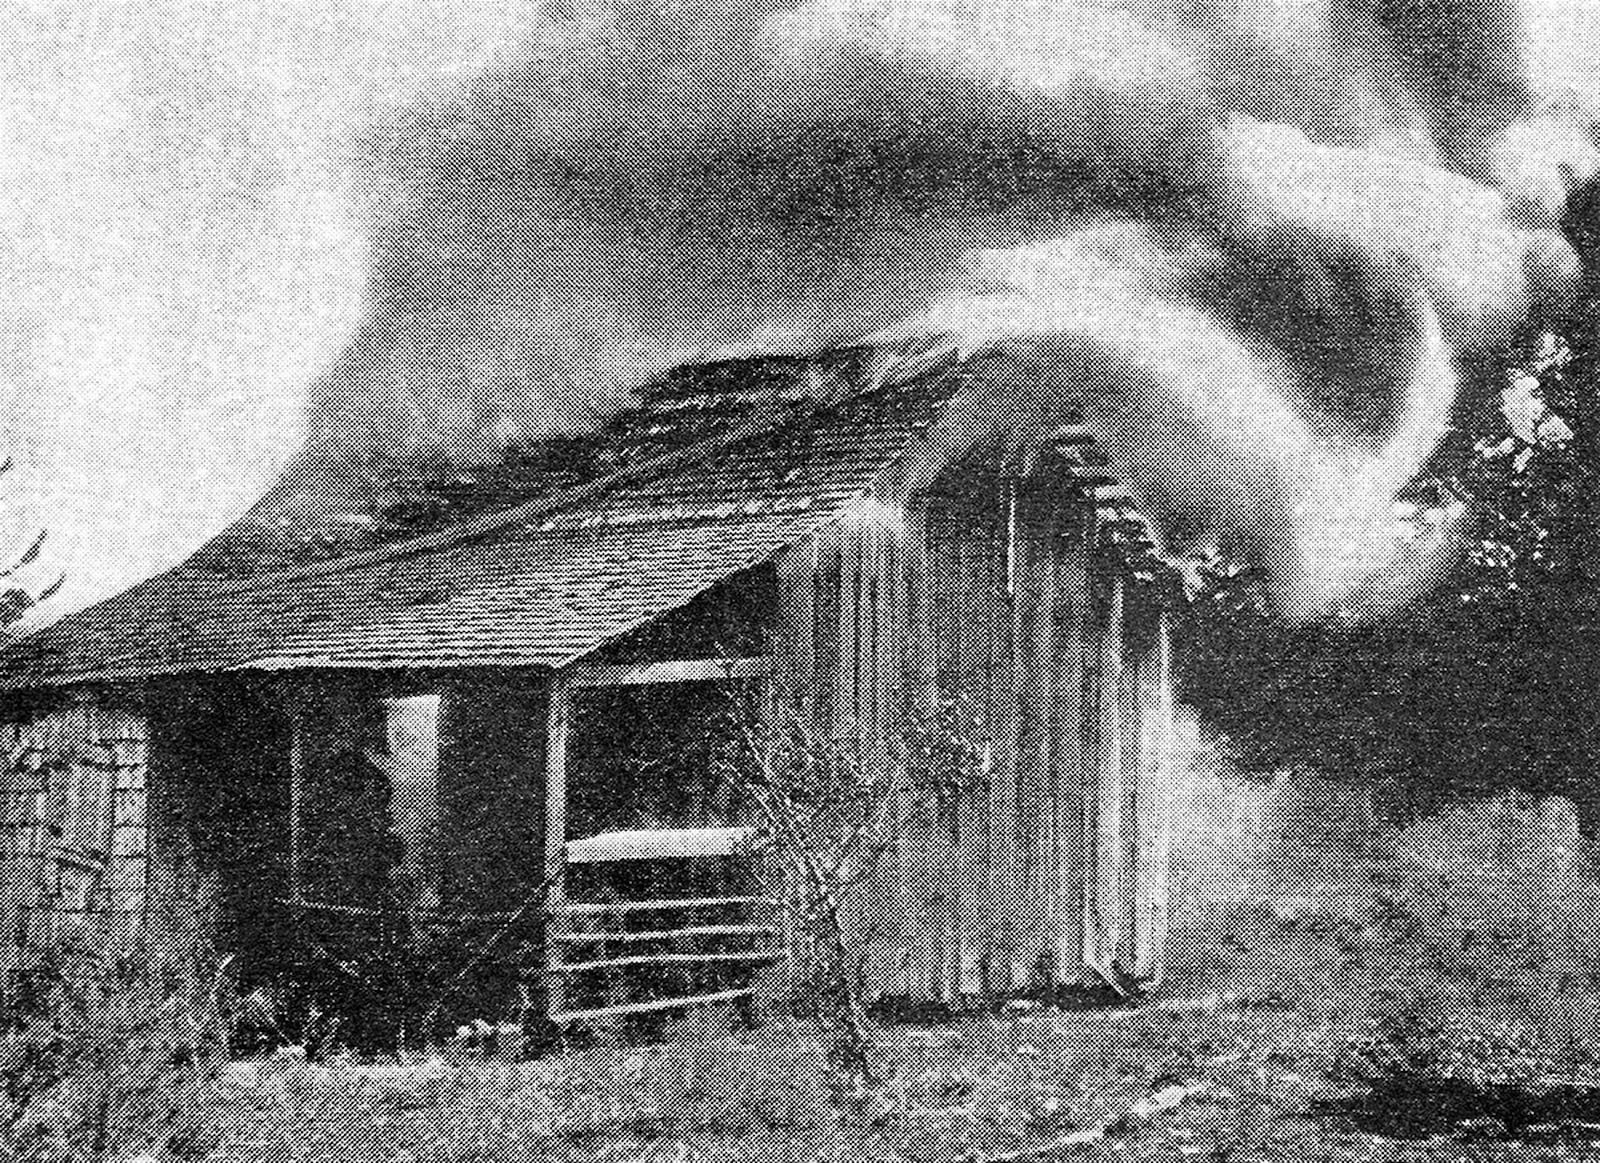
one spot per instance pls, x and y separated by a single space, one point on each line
558 726
291 703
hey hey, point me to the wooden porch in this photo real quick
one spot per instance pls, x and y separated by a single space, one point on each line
698 944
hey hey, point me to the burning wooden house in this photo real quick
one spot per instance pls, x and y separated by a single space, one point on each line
513 723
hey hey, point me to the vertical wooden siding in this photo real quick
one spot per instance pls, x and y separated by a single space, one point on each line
990 592
1151 725
1055 635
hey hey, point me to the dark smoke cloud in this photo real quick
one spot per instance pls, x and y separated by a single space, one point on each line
664 188
1293 191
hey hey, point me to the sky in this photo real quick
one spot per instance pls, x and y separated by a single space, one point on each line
235 226
182 197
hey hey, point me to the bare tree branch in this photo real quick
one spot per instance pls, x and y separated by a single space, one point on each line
831 806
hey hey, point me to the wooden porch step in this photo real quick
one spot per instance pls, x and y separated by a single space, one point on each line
600 908
647 1007
667 959
669 934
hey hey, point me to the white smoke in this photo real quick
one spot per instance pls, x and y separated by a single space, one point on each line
188 232
1202 424
534 207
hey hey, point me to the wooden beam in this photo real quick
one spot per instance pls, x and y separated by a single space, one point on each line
558 727
677 670
1071 751
669 959
648 1007
297 795
797 613
1154 840
670 934
847 711
661 844
1104 914
600 908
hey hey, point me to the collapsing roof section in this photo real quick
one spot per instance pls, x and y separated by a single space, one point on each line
705 479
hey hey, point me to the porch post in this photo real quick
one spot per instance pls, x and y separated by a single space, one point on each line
297 786
558 725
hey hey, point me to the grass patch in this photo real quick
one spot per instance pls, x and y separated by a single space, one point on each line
1376 995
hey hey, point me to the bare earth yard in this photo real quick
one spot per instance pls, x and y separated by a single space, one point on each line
1345 994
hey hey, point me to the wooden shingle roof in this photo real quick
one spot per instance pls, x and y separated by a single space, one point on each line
539 591
704 491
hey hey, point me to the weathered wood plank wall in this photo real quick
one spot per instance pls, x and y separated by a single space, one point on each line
990 593
1055 629
73 826
1152 721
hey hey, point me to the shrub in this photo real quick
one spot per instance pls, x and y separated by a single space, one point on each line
101 1060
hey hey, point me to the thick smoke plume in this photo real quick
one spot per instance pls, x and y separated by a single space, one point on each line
1263 247
481 223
